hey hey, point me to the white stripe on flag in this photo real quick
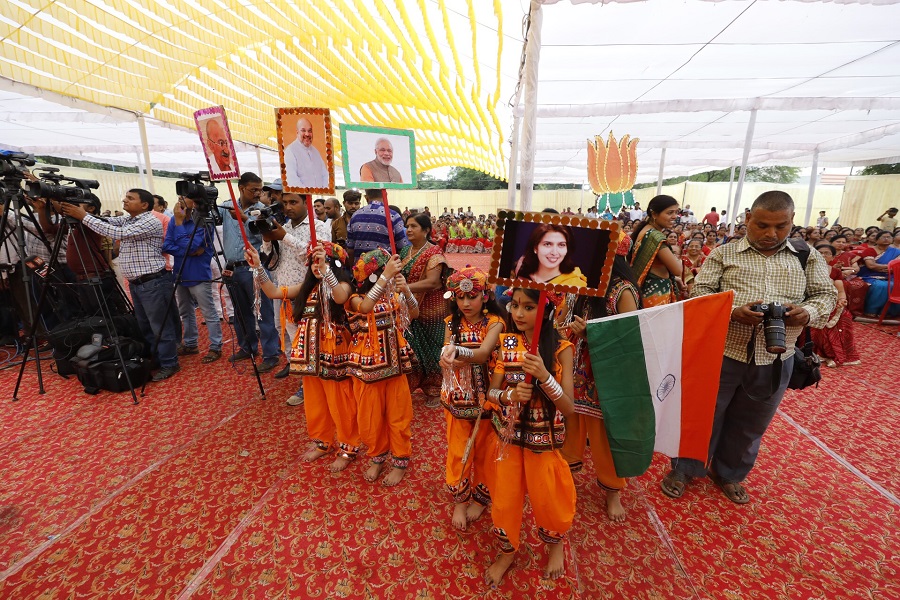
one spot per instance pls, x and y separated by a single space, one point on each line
661 331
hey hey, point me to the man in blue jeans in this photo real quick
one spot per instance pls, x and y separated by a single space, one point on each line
241 289
194 280
142 264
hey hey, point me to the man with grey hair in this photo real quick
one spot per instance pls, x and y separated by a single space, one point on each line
380 169
303 165
763 268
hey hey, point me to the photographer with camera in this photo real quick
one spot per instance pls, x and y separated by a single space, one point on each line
779 288
293 239
142 264
195 281
238 271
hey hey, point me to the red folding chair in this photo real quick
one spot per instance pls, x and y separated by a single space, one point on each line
893 287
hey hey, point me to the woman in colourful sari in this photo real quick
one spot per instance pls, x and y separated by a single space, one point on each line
834 342
875 274
848 262
651 258
423 264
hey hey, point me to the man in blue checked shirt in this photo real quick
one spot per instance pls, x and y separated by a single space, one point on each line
368 227
143 266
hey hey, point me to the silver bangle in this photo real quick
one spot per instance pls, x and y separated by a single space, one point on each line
375 293
462 352
330 278
411 300
260 275
553 389
495 394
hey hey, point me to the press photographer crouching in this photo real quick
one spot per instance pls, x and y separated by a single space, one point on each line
779 288
85 258
292 240
143 266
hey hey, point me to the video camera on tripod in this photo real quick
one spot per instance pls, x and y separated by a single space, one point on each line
53 185
198 188
12 171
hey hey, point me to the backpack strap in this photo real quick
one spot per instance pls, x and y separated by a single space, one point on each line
802 249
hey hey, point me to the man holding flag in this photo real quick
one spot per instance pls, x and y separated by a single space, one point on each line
761 269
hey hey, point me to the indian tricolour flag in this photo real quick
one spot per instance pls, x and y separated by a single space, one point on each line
657 374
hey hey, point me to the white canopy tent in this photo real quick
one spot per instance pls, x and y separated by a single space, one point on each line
822 79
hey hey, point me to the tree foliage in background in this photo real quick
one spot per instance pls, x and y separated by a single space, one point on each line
766 174
461 178
892 169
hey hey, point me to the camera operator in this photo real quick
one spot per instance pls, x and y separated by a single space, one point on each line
85 257
195 282
762 269
142 264
293 239
250 187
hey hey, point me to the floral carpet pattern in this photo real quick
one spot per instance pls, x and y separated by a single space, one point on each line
200 491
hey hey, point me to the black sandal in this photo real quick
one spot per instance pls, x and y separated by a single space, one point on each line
674 483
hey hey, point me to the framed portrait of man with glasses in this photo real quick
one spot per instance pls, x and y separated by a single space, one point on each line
212 125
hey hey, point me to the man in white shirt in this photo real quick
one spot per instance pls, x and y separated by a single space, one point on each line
636 214
293 240
822 221
303 165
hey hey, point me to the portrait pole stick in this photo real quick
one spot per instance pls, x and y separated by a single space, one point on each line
311 215
390 224
237 207
535 336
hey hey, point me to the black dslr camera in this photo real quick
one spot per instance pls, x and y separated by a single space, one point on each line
773 326
194 187
12 172
266 219
55 186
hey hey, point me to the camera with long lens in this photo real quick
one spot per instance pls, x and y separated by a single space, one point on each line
266 219
773 325
198 188
12 171
52 185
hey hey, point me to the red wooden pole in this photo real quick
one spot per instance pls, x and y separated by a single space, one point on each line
390 223
311 213
237 207
536 333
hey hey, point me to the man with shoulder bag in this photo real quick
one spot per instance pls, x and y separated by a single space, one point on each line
779 289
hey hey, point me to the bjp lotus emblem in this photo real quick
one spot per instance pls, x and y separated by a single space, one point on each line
612 169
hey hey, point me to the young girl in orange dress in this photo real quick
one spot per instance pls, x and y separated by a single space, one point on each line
472 332
587 422
529 436
379 360
320 352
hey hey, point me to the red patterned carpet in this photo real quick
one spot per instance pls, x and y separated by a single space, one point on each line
199 491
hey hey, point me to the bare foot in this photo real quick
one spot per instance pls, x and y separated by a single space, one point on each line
394 477
313 453
473 512
614 508
459 516
556 566
340 463
373 471
494 575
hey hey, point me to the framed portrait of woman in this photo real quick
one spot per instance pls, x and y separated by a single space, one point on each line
554 253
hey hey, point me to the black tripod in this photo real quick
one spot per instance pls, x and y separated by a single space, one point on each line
96 285
207 216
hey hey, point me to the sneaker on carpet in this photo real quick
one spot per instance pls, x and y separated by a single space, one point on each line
166 372
296 399
239 355
268 364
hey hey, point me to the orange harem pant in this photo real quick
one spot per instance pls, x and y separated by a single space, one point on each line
384 414
580 428
547 480
330 408
480 464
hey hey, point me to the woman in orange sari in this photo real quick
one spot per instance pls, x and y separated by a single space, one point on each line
652 260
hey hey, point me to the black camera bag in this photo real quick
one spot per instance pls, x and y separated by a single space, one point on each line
807 365
103 370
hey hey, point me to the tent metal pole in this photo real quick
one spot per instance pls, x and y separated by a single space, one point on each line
143 129
728 204
259 163
662 168
137 155
751 125
513 164
529 126
813 178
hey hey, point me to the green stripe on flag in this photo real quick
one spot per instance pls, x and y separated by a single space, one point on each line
617 360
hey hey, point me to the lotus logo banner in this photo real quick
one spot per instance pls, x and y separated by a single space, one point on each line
612 169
